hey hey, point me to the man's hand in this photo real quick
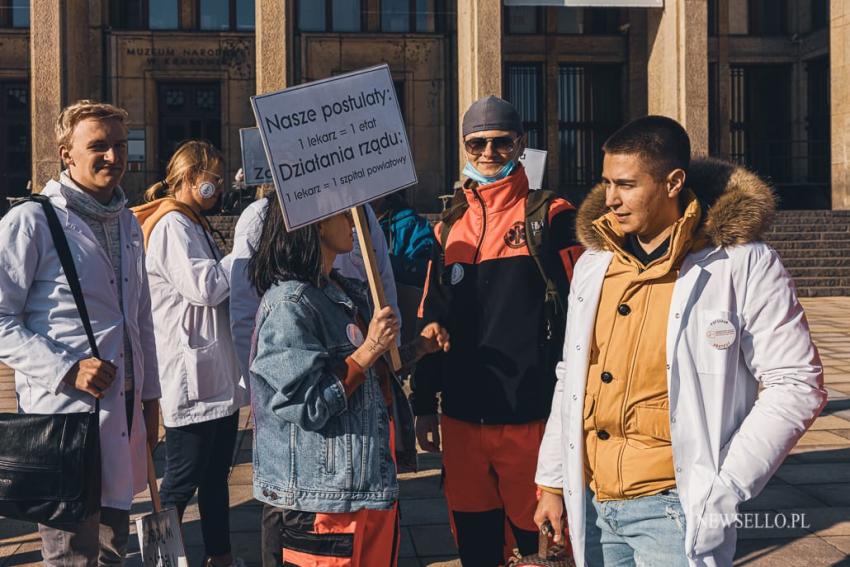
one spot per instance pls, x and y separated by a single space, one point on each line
150 409
92 376
426 424
551 507
435 338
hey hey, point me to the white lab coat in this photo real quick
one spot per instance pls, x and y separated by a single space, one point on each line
42 337
190 287
728 438
244 300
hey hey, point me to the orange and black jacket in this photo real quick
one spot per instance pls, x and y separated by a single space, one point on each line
488 292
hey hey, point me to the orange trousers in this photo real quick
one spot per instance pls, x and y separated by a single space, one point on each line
489 487
365 538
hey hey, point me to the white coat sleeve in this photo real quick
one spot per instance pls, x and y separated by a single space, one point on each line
150 387
178 254
22 244
244 300
777 346
550 460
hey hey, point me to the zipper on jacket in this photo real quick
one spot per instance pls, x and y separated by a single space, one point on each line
483 225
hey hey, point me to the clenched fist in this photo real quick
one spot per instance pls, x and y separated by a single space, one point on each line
92 376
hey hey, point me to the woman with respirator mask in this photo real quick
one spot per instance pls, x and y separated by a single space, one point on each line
198 370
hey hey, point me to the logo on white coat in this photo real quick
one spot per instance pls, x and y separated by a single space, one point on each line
457 274
355 335
721 334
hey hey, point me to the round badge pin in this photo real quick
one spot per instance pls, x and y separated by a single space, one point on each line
355 335
721 334
457 274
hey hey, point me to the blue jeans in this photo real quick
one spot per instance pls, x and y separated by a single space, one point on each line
645 531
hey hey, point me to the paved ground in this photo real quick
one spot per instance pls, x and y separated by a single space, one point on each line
813 485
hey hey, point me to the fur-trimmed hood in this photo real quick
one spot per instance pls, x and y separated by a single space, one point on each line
738 205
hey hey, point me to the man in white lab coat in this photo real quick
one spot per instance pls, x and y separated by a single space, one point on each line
678 314
42 337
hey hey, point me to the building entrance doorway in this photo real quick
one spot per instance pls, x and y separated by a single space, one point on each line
187 111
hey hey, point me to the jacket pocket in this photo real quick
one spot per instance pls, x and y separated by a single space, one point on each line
204 379
651 424
718 341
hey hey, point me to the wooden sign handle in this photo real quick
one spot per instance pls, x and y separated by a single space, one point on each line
376 285
157 503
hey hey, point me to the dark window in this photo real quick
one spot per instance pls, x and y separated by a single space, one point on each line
163 15
329 15
187 111
819 14
346 16
768 17
245 15
226 15
523 20
312 16
215 15
127 14
587 21
399 96
523 88
402 16
395 15
817 121
144 14
14 14
589 110
760 125
15 157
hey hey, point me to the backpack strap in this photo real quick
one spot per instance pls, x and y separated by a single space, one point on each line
453 212
537 239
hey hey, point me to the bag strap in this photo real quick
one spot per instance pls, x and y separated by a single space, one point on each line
452 213
537 232
67 261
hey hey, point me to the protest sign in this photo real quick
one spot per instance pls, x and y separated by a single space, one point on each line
160 539
334 144
254 162
534 162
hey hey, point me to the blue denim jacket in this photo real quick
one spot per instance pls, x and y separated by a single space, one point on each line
315 450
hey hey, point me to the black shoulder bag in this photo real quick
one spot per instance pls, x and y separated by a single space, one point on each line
50 464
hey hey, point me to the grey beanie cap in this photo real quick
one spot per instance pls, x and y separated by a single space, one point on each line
491 113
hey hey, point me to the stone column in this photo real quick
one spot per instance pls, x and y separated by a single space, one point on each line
678 67
273 38
839 79
60 67
479 55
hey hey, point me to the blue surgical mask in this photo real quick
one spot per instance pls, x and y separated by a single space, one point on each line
470 171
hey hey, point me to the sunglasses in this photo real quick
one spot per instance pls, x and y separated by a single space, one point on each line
217 179
501 144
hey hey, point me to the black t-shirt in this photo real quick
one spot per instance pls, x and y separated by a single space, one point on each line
633 247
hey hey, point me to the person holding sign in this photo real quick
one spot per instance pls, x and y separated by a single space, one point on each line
499 284
198 369
326 404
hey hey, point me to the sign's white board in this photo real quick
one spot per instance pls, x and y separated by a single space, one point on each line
334 144
594 3
254 163
534 162
160 540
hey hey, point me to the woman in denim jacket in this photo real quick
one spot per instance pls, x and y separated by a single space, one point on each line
326 405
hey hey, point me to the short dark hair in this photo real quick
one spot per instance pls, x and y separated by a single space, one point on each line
283 255
660 141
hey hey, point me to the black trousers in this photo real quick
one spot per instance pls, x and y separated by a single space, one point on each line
198 457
